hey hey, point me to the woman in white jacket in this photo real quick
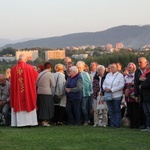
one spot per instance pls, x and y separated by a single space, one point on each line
114 82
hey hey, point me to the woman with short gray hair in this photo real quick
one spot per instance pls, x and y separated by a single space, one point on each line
74 95
60 81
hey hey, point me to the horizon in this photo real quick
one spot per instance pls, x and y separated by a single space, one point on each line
32 38
41 19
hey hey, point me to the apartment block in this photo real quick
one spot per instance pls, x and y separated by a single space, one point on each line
55 54
31 54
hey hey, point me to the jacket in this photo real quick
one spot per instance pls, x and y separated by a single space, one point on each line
145 89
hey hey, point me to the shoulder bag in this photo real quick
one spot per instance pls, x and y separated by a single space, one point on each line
108 95
39 80
56 98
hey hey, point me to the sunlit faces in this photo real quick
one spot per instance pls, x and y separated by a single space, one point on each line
73 71
66 60
2 79
80 68
93 66
109 68
142 62
80 65
119 66
131 69
68 68
125 71
114 68
101 71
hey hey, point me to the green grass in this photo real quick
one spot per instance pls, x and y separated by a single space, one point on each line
73 138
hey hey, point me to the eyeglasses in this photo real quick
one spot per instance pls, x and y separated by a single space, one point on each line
113 67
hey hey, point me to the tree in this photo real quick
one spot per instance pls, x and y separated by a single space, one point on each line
8 50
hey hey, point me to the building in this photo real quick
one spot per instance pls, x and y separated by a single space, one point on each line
31 54
55 54
146 47
109 46
7 58
119 45
80 56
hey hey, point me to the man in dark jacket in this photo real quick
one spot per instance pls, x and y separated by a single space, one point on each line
145 96
142 62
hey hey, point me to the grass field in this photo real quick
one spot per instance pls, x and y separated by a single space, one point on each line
73 138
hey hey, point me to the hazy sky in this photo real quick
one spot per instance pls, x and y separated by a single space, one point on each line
46 18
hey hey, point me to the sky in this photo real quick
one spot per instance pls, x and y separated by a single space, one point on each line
21 19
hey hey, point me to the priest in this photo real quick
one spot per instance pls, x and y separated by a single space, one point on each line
23 94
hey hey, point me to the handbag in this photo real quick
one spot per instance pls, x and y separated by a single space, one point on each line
108 95
125 120
56 98
101 104
129 92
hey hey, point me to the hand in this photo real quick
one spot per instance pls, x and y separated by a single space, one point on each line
1 103
67 90
142 79
136 99
108 90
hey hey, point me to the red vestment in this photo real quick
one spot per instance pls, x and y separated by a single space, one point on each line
23 87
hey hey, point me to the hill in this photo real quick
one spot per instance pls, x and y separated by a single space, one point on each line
4 42
130 36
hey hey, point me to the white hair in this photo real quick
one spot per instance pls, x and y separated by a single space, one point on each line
74 68
100 66
23 57
80 63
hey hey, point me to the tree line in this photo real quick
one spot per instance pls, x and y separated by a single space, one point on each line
124 57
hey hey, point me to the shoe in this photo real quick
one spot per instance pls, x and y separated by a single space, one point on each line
45 124
147 129
85 124
100 125
95 125
142 127
59 123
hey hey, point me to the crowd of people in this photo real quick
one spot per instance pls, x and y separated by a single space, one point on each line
26 94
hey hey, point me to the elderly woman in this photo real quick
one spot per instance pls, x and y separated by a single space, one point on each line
132 104
98 91
45 83
60 108
4 100
86 92
114 83
8 74
40 68
74 96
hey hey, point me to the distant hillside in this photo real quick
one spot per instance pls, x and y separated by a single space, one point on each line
4 42
130 36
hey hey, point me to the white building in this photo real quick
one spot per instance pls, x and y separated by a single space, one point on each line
80 56
7 58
